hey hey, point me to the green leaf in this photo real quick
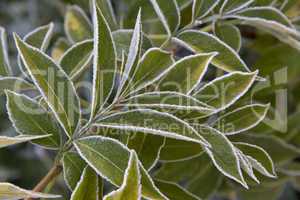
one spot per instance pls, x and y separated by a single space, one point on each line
241 119
272 22
151 22
122 38
30 118
183 3
230 6
151 65
171 102
266 13
212 179
184 170
53 84
14 84
77 58
223 154
201 8
229 34
39 38
202 42
168 13
280 151
225 90
108 13
77 25
174 191
133 55
186 8
5 69
246 165
152 122
7 141
100 188
198 174
87 187
147 147
262 2
178 150
131 186
73 167
110 159
258 157
184 75
11 192
105 61
59 48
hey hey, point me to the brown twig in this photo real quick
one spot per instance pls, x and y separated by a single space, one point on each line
51 175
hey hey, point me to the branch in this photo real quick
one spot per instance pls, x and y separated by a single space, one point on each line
51 175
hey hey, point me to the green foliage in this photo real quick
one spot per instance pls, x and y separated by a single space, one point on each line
87 187
131 187
10 192
170 109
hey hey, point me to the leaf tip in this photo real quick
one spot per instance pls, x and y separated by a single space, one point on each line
17 38
51 26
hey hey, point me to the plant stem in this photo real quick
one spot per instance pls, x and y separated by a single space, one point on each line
51 175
